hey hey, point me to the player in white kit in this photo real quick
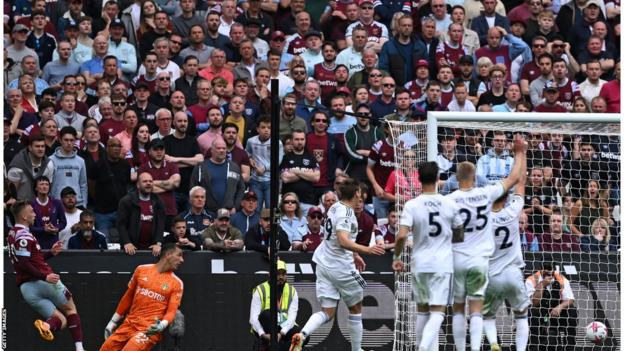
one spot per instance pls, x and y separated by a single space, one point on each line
506 278
435 223
470 257
337 264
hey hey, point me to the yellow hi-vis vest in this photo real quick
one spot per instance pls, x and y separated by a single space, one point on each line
264 291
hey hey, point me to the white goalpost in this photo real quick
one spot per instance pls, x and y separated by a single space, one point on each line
573 168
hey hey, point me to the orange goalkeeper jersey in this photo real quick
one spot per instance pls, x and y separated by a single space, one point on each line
151 295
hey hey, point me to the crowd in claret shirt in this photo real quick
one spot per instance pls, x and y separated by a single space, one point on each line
142 122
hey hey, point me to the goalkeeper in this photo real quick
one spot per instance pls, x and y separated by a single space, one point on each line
149 305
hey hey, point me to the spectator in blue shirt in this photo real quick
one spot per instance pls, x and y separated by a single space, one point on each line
248 216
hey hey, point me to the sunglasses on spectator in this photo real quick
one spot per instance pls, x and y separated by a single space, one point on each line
438 6
558 46
366 7
164 78
119 103
176 42
290 202
316 216
71 83
388 85
539 45
375 75
320 120
299 72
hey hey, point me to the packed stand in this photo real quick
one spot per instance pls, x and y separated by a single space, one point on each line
144 122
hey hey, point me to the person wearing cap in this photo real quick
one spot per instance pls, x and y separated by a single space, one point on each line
18 50
277 43
571 12
43 43
583 29
377 32
257 236
416 87
141 218
165 177
73 13
312 55
248 216
69 168
72 214
221 236
315 234
551 99
358 142
287 305
80 53
125 52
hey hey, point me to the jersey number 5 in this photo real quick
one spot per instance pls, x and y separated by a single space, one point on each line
433 223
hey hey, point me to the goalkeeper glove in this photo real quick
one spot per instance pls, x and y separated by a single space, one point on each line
157 327
110 327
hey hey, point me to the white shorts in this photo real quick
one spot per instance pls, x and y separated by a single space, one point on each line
347 285
507 285
431 289
470 277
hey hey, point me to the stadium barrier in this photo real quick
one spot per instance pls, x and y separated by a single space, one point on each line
218 294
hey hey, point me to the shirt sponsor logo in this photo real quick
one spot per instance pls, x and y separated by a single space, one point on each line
152 295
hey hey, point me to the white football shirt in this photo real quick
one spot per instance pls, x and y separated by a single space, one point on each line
475 206
431 217
506 229
330 254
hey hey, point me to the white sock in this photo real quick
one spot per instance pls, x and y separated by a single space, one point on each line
355 331
459 331
489 326
79 346
421 320
315 321
476 331
430 333
522 333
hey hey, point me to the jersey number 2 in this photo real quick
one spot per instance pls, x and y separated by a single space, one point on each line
503 230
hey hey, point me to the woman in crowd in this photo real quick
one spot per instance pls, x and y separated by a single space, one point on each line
26 85
587 209
360 96
599 239
580 105
138 154
405 178
539 201
294 223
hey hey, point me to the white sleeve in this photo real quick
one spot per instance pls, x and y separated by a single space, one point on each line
15 175
516 69
292 313
254 312
495 191
530 288
458 220
406 219
516 204
384 31
566 293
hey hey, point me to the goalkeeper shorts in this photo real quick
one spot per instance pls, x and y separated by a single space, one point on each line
129 338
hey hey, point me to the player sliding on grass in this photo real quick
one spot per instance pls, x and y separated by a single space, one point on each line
41 287
434 222
337 264
151 301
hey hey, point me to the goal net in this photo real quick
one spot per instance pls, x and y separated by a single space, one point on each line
572 175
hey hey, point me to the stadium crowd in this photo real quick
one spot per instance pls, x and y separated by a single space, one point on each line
128 120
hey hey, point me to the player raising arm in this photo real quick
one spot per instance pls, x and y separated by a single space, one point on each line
505 271
471 257
151 301
41 287
337 263
434 221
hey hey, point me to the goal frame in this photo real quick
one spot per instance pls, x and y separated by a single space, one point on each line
433 118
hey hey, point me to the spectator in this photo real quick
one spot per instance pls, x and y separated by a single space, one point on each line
221 178
163 121
245 128
189 82
315 233
213 37
385 104
218 68
557 240
496 51
196 217
497 162
366 224
162 48
299 171
68 116
114 125
599 239
381 163
540 200
512 98
124 51
529 240
179 236
495 93
72 214
182 150
49 214
162 95
403 184
86 237
585 165
536 87
215 120
165 177
289 121
598 105
138 153
29 67
330 197
358 142
293 220
552 301
591 86
109 179
149 78
369 61
248 216
551 99
351 55
18 50
461 100
69 168
222 236
55 71
588 208
235 152
488 19
431 101
248 59
93 68
610 91
401 53
257 237
404 112
325 148
568 89
385 234
131 120
141 218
